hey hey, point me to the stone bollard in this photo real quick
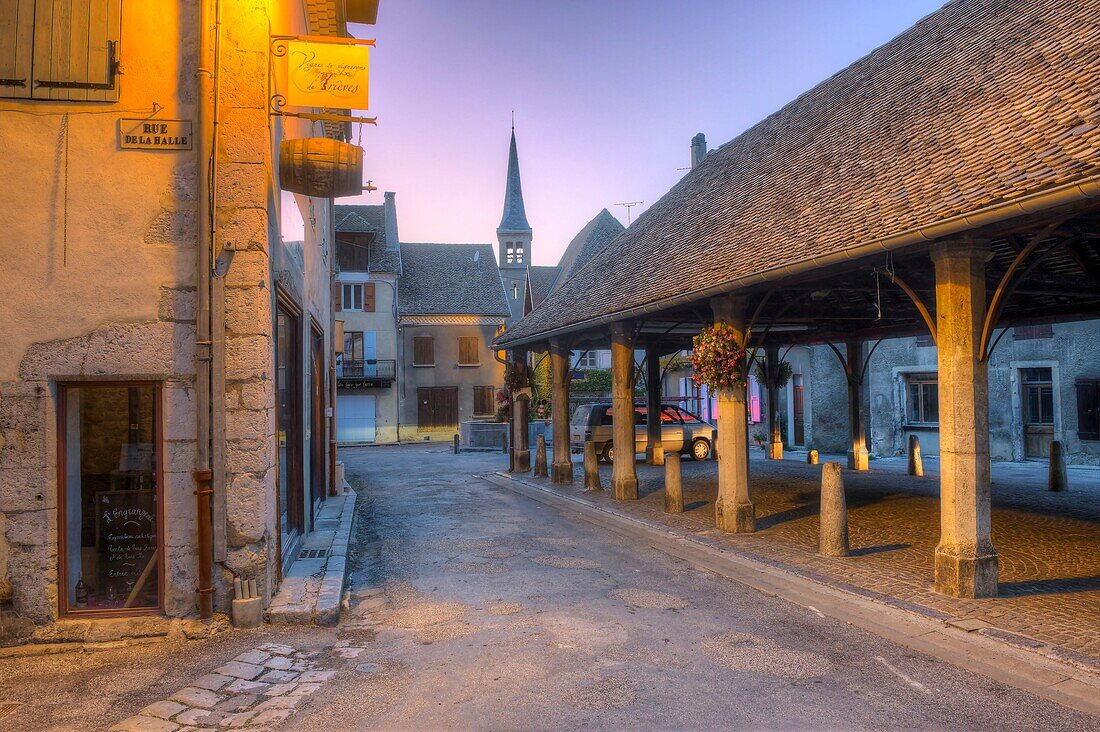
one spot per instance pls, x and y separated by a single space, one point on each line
674 489
591 468
456 444
247 607
540 457
1057 480
811 457
916 466
833 538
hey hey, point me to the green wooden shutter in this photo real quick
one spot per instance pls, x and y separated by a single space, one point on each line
16 44
76 50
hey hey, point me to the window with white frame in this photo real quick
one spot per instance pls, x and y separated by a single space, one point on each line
352 296
922 403
589 360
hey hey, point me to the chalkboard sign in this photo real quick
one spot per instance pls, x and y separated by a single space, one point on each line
126 540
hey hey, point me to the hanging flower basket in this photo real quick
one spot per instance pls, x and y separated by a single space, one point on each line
718 358
782 375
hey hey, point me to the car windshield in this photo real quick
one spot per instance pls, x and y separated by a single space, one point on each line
688 417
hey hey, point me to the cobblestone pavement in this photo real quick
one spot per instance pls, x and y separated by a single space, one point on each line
1048 543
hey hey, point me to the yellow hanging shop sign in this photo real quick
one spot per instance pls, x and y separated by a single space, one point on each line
326 75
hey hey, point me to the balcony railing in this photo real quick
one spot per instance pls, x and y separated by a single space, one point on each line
378 370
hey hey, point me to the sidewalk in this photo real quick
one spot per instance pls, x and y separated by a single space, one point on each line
1049 543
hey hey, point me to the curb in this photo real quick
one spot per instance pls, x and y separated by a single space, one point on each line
1009 660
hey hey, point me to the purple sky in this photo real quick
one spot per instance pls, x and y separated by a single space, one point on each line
607 96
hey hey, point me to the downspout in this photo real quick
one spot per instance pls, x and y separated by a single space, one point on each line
333 489
203 269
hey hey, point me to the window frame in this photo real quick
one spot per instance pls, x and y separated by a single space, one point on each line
63 609
348 303
922 380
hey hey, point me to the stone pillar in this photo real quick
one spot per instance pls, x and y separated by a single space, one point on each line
857 453
674 487
811 457
1057 478
540 457
733 508
624 477
521 450
916 465
591 468
966 562
561 470
654 452
833 536
775 433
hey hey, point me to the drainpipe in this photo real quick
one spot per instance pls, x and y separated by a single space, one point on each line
203 268
333 489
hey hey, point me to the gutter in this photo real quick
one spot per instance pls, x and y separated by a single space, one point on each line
1065 194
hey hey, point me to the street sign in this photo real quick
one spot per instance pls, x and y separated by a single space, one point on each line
154 134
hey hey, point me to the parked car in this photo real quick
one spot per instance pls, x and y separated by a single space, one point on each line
680 430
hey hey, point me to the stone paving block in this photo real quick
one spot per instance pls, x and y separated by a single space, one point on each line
236 669
305 689
240 686
279 663
144 724
197 717
193 696
213 682
164 709
277 648
271 717
281 702
236 721
279 677
257 657
280 689
317 676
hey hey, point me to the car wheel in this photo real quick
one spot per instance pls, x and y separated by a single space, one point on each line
609 453
700 449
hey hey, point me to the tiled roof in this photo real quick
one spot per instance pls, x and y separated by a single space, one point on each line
370 218
981 102
542 280
447 279
595 235
514 217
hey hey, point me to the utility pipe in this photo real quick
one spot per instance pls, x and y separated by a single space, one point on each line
1062 195
203 269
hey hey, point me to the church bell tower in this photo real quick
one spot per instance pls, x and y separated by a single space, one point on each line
514 238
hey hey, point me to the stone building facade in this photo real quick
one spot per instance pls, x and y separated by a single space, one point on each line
98 388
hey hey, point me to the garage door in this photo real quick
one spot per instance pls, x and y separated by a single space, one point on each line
355 418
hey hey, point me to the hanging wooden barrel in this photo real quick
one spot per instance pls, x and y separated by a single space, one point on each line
320 167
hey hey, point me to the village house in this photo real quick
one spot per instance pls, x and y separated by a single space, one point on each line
165 377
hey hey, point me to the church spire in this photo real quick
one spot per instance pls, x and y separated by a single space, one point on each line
514 217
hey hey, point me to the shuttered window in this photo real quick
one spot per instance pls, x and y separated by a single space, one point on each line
368 297
423 351
484 400
1088 409
1032 332
60 49
468 351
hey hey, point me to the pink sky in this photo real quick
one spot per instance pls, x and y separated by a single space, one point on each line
607 95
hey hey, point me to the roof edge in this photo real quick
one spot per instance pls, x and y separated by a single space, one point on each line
1080 190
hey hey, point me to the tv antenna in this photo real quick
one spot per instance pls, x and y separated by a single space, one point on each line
629 205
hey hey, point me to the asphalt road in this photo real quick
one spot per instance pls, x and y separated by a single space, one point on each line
472 607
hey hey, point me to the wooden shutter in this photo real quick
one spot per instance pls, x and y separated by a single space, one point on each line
467 350
484 400
1088 409
76 49
1032 332
16 47
423 351
368 297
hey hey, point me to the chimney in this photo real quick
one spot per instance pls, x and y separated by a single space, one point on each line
698 149
390 210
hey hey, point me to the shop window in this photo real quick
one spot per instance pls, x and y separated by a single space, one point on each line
484 400
109 481
1088 409
423 351
468 347
922 407
60 49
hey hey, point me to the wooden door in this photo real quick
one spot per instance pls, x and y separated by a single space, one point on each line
317 416
437 408
798 418
1038 406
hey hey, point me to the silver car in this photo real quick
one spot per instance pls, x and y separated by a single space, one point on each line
680 430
